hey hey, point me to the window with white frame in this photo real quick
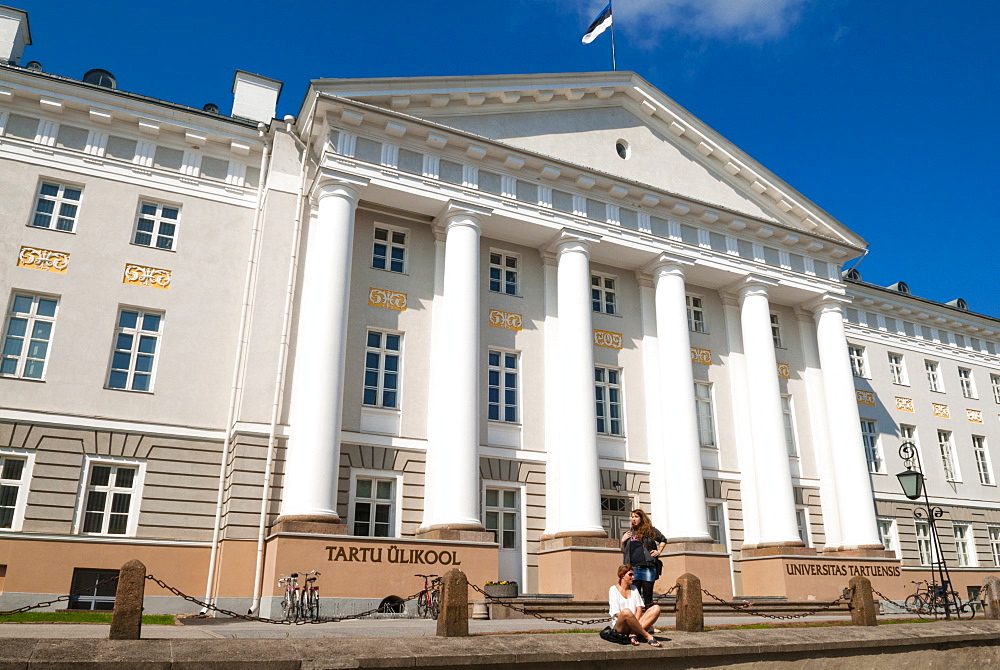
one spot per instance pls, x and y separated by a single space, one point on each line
933 376
608 392
503 273
501 514
887 533
133 360
776 331
156 225
382 351
57 206
27 336
965 380
705 414
14 477
873 451
897 370
924 548
695 313
994 532
716 522
909 434
995 384
111 499
502 386
802 521
789 422
948 461
983 464
389 249
602 294
374 506
965 545
858 365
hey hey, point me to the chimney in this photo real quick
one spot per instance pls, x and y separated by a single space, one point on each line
14 34
255 97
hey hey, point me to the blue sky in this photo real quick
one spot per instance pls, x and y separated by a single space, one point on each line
882 112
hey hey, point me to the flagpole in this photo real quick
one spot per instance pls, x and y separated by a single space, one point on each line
614 61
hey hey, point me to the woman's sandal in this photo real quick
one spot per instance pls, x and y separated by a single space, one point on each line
634 639
653 642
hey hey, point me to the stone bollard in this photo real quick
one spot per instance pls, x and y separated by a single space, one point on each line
862 603
690 613
990 595
126 618
453 615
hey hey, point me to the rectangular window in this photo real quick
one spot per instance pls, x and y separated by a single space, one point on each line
696 314
93 590
13 477
776 331
909 434
965 545
858 366
897 370
156 225
983 464
965 379
716 525
789 421
802 521
951 473
602 293
374 503
873 452
706 415
924 550
502 386
887 533
501 511
995 383
57 206
503 273
27 336
994 532
608 390
382 369
133 360
389 249
933 376
108 504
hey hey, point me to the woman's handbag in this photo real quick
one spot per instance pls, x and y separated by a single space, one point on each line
611 635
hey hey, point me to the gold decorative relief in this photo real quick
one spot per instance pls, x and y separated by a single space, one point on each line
43 259
904 404
783 371
865 398
383 297
702 356
140 275
604 338
941 411
505 320
974 415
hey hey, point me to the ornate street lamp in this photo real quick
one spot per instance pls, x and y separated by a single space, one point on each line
912 482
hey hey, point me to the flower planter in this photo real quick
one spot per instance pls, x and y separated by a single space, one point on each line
501 590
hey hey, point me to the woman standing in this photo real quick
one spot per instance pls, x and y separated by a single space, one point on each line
640 547
627 613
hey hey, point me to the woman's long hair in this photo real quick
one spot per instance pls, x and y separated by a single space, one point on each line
645 528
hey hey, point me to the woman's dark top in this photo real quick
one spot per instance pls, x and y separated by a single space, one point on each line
637 555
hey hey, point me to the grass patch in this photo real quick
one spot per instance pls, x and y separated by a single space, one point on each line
81 617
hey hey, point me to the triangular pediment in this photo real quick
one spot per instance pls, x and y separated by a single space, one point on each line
580 119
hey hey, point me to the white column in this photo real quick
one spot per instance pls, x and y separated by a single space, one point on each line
452 502
678 451
655 421
579 491
859 528
312 463
775 502
552 395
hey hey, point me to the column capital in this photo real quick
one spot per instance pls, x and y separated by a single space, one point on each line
572 240
751 285
828 302
329 183
457 213
667 263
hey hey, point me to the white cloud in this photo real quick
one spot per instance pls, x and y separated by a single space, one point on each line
743 20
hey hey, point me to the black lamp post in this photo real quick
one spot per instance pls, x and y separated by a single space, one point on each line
912 482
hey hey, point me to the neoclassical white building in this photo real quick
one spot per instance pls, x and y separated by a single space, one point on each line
452 321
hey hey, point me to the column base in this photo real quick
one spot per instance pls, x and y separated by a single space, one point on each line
799 573
309 523
584 566
876 551
709 562
456 532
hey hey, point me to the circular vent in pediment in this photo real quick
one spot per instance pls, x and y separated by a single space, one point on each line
623 149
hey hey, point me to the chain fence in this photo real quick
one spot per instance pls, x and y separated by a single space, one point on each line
48 603
746 608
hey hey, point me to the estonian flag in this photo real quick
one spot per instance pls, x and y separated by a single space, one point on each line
600 24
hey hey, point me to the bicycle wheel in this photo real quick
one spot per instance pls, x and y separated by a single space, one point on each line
313 605
916 604
422 607
435 606
965 610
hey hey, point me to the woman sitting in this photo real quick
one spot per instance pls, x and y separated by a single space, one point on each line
627 613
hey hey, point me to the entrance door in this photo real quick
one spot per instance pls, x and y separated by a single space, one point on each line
503 519
615 511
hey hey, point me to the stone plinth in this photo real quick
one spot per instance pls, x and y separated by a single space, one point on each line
709 561
863 610
798 573
582 566
453 617
457 535
126 618
314 524
690 611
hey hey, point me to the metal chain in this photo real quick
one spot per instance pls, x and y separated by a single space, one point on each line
904 606
47 603
280 622
745 608
578 622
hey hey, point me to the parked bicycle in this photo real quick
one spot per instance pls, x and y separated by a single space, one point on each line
428 603
300 603
934 600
